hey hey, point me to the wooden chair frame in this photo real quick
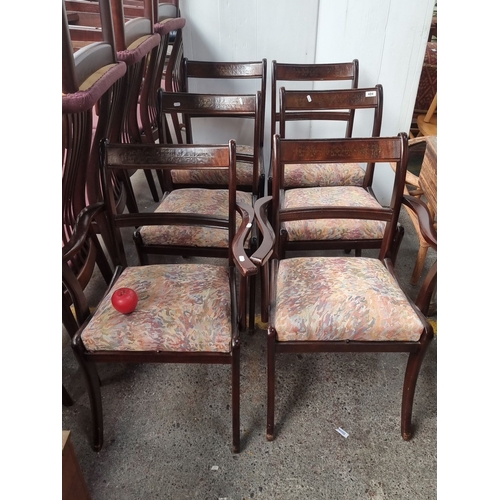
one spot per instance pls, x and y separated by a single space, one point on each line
127 156
375 150
226 70
193 106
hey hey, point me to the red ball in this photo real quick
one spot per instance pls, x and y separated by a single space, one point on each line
124 300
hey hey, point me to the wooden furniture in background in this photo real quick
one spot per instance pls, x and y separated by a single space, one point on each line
74 486
424 187
427 124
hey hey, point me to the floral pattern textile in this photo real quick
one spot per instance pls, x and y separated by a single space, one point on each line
194 200
342 298
244 173
323 174
181 308
332 229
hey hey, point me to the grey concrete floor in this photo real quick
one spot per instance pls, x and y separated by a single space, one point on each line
167 428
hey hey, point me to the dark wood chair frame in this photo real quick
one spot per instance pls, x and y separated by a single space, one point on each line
334 106
127 156
148 101
252 70
80 170
194 106
338 105
371 150
306 73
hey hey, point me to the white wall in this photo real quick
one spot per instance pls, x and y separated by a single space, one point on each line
388 37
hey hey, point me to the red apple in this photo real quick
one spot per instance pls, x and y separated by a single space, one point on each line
124 300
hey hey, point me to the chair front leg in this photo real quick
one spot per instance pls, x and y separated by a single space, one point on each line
94 391
271 381
412 369
235 382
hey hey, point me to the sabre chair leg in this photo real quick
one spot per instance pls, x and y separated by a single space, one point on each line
271 382
235 376
412 369
94 391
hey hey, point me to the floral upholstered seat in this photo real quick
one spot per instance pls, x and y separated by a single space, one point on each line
195 201
197 293
321 174
345 299
331 229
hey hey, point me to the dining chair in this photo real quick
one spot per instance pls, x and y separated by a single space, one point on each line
204 192
133 40
91 76
308 76
335 111
346 303
148 98
341 183
186 313
230 77
295 76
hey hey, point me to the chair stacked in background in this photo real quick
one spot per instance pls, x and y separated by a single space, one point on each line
311 76
91 76
142 49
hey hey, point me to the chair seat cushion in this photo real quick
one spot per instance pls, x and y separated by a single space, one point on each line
323 174
332 229
342 298
196 201
244 173
181 308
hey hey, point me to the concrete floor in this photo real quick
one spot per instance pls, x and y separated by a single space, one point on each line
167 428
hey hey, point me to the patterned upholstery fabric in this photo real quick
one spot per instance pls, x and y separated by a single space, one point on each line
331 229
323 174
340 298
199 201
181 308
244 173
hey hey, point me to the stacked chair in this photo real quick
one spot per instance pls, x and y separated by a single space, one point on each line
92 76
181 112
129 76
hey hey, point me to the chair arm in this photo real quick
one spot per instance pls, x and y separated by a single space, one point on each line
244 264
80 230
264 252
425 220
